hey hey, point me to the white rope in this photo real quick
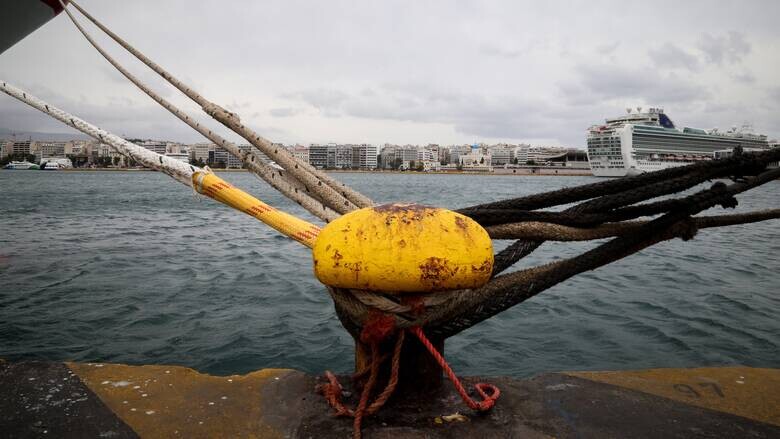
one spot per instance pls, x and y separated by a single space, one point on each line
280 181
335 194
175 168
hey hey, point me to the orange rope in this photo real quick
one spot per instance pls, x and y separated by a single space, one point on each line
332 389
488 400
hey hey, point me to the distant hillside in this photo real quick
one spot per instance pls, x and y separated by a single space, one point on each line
8 134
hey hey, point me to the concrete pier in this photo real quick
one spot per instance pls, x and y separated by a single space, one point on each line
77 400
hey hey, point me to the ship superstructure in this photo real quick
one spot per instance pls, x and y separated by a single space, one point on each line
648 141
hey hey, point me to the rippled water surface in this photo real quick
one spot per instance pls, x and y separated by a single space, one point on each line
130 267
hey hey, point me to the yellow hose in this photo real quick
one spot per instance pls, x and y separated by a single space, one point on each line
222 191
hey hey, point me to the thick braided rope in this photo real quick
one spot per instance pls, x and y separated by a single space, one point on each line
616 195
612 186
175 168
516 251
556 232
595 212
189 175
337 195
279 180
508 290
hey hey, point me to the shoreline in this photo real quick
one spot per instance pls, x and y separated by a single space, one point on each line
535 172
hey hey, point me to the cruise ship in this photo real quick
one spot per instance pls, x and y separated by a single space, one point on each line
648 141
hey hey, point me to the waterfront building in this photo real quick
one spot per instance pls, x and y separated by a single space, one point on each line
502 154
218 158
424 155
51 150
477 160
456 151
184 157
541 155
300 152
22 147
6 148
234 162
155 145
364 156
318 155
387 157
200 152
342 156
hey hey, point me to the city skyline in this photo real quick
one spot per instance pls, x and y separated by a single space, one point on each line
511 72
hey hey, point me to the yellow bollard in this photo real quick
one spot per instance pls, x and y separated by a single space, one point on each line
403 248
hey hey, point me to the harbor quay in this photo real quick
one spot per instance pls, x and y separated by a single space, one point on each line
502 158
50 399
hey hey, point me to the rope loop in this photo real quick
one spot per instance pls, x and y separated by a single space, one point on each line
488 400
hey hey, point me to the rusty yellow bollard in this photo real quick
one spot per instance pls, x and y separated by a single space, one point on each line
403 248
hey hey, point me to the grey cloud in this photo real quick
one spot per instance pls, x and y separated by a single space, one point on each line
744 77
496 50
119 115
284 112
731 47
608 49
476 67
493 116
607 82
671 56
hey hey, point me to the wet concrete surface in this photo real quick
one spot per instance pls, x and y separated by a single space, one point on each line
95 400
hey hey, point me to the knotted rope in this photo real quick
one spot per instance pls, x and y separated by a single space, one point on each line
379 328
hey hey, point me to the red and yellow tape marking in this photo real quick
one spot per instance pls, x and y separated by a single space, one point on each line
222 191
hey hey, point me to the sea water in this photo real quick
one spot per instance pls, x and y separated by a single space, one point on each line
131 267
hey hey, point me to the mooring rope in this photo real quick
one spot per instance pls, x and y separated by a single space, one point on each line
338 196
503 292
533 230
177 169
199 179
569 195
279 180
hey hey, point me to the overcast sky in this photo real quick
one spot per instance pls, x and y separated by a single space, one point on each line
412 72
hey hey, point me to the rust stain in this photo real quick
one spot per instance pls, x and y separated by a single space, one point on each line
435 270
355 268
337 257
461 223
402 243
401 208
486 267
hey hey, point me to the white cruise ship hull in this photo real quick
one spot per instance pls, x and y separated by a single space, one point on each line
634 149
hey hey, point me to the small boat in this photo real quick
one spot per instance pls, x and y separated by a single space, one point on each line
21 165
